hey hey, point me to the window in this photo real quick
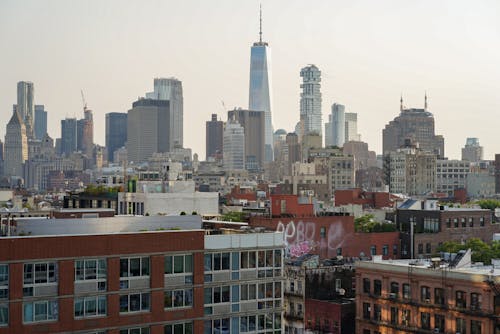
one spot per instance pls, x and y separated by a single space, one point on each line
455 222
394 290
217 261
248 292
420 248
462 220
178 298
366 285
180 328
425 320
475 327
4 314
248 260
373 250
41 310
406 291
439 296
90 306
385 250
377 312
425 294
248 324
366 311
481 221
405 317
428 248
377 287
135 330
178 264
216 295
40 273
134 267
460 326
4 282
90 269
460 299
134 302
322 232
394 316
339 251
439 323
471 222
448 222
475 301
394 249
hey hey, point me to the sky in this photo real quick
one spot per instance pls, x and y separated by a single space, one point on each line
369 52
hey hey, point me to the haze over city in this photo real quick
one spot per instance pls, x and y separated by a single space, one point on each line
369 53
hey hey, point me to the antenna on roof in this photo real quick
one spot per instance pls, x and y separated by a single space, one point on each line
260 24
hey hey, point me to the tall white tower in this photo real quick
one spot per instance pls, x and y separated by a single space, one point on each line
338 125
310 100
260 88
26 105
233 146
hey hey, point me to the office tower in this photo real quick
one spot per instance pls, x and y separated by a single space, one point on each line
116 132
170 89
416 125
16 146
214 134
293 147
279 144
148 125
25 105
328 132
253 123
40 121
351 127
69 136
310 100
338 125
472 151
85 133
260 88
233 146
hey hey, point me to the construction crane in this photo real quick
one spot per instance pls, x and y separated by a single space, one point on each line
84 102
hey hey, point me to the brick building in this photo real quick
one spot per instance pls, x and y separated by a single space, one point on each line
368 199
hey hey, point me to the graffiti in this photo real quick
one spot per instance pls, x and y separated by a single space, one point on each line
302 248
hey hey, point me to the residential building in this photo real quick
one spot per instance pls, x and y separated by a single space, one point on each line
85 133
40 121
15 147
116 133
148 123
26 105
434 296
260 97
451 175
416 125
310 100
234 146
303 181
69 136
214 137
253 123
338 125
351 127
472 151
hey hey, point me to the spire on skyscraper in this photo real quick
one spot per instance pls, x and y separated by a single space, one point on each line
401 103
260 24
425 99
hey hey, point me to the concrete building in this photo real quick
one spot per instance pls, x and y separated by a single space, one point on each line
26 105
214 137
116 133
170 89
253 123
140 275
303 181
234 146
338 125
432 296
416 125
85 133
363 158
310 100
260 94
472 151
69 136
451 175
351 127
148 123
293 148
40 121
37 171
410 171
15 147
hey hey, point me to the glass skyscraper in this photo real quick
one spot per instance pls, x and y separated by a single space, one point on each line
260 94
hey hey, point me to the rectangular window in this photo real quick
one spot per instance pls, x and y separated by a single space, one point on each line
377 312
385 250
475 327
180 328
405 317
366 311
178 298
40 273
439 323
475 301
406 291
217 261
217 295
394 316
135 330
366 285
90 269
394 249
425 294
40 310
439 296
4 282
178 264
377 287
134 302
460 299
90 306
425 320
460 325
394 290
134 267
4 314
248 292
373 250
428 248
247 260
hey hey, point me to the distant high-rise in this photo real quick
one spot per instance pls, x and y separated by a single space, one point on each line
214 137
116 132
310 100
472 151
328 132
260 88
85 133
40 121
26 105
170 89
148 124
234 146
69 136
416 125
253 122
351 127
16 146
337 121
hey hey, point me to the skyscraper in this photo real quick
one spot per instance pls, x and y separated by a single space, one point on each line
253 123
171 89
40 121
472 151
338 125
69 136
85 133
16 146
148 125
234 146
116 132
351 127
260 88
310 100
26 104
214 137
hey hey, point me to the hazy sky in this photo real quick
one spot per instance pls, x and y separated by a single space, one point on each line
368 51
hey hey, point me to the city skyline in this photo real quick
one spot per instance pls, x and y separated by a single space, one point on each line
445 48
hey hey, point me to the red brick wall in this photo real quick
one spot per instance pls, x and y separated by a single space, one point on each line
292 206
